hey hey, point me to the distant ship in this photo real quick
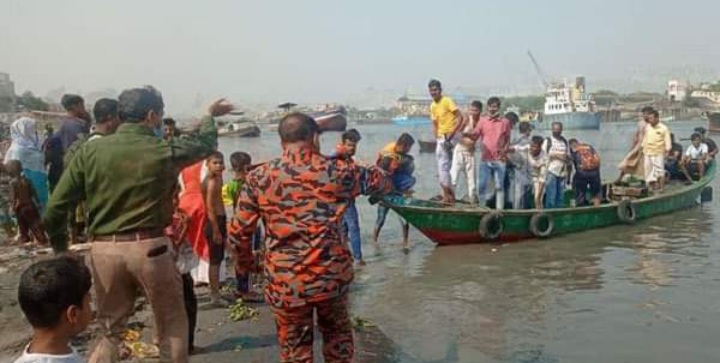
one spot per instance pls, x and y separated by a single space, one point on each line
569 105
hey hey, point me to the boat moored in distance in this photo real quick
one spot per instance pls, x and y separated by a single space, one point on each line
463 223
570 105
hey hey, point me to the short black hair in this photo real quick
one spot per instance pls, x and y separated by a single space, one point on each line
216 155
169 121
352 135
477 104
49 287
700 130
297 126
524 127
136 103
558 123
695 136
105 109
512 117
69 100
239 160
655 113
405 139
572 141
434 83
647 109
493 100
537 140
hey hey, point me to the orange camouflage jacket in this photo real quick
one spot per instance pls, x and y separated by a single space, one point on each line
301 198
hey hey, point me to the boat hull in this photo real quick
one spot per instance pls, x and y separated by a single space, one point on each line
461 225
335 120
250 131
571 121
714 122
411 120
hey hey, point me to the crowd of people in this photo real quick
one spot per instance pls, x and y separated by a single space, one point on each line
152 200
530 171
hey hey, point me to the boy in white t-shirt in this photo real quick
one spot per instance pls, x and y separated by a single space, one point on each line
696 156
54 295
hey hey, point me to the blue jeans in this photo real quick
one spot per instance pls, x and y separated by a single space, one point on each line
554 191
351 228
497 169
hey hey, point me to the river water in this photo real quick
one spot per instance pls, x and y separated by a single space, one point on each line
646 293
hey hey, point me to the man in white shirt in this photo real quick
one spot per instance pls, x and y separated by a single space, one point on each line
463 160
558 169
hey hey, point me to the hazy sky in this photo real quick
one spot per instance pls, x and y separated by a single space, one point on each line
319 50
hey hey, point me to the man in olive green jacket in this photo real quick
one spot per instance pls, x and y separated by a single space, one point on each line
127 180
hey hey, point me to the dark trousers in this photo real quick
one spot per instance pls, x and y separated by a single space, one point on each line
191 307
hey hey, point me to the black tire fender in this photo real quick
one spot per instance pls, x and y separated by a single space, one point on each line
491 225
626 211
539 219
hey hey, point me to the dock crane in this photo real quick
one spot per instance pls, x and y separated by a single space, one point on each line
539 71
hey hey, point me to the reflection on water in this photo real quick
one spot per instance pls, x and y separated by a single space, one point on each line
643 293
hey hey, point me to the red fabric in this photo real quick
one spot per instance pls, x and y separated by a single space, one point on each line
193 205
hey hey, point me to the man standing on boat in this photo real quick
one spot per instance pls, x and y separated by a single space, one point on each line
558 170
494 130
447 121
301 198
656 144
463 160
633 162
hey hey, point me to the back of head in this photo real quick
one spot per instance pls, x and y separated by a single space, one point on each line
297 127
647 109
69 101
525 127
105 109
240 160
512 117
573 141
351 135
405 139
48 288
136 103
13 167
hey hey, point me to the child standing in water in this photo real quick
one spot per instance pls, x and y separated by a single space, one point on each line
216 223
25 205
244 261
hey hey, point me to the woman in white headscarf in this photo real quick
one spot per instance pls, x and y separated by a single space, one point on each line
25 147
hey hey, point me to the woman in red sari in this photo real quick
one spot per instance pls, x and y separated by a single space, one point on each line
193 204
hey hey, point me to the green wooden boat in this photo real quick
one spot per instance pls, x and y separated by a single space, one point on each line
460 224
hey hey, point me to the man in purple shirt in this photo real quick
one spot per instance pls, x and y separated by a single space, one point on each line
493 130
77 121
72 126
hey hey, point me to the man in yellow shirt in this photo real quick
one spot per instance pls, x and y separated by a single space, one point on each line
447 121
656 144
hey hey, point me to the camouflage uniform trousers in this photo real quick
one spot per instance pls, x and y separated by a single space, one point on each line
295 331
